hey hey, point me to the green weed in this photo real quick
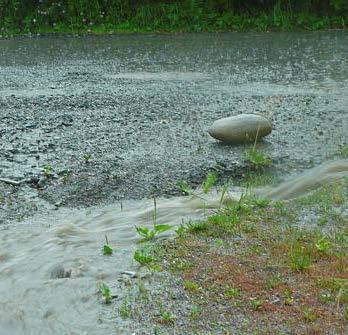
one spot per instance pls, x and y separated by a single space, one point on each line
309 314
125 309
275 281
209 182
197 226
195 312
257 159
166 317
105 292
107 250
322 244
288 297
181 231
256 304
143 292
143 257
191 286
232 293
87 157
149 234
48 171
343 151
300 257
184 188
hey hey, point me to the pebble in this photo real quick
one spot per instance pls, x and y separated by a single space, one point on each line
131 274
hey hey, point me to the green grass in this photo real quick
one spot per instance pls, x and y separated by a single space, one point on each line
184 188
257 159
166 317
189 16
191 286
266 253
143 257
300 257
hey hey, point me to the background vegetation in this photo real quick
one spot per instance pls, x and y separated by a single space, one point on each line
168 15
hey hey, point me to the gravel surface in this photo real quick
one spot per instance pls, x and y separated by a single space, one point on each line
90 120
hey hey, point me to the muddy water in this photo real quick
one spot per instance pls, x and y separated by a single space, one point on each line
50 267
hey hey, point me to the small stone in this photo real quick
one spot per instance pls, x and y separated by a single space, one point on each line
42 182
59 272
240 128
131 274
57 204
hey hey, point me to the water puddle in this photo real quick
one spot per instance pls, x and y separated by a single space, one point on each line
162 76
303 88
50 267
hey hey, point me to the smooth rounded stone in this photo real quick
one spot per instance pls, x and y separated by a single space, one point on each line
240 128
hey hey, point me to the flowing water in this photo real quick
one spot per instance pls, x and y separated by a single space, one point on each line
50 267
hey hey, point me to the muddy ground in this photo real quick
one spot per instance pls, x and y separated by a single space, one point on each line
93 120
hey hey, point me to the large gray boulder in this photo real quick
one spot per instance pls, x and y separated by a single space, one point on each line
241 128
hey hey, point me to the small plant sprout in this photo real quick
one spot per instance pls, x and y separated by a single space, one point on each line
181 230
209 182
300 257
149 234
165 316
195 312
107 250
105 292
322 244
288 297
343 151
233 293
191 286
261 202
48 171
184 188
87 157
197 226
256 304
257 159
309 314
143 292
125 308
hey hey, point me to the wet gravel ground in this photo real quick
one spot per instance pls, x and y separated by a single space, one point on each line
92 120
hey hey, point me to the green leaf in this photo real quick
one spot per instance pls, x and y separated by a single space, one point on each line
143 231
161 228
